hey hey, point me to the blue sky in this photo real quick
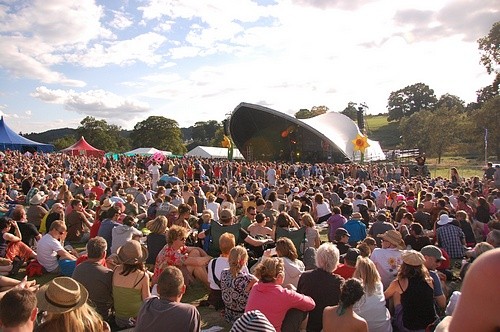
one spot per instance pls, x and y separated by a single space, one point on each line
192 60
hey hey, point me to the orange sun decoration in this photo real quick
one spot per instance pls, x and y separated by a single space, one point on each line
360 143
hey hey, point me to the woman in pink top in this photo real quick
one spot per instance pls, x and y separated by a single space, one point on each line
274 301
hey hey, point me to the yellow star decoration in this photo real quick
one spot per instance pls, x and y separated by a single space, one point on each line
226 142
360 143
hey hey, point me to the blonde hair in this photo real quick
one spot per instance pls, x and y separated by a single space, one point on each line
158 225
82 319
238 258
307 220
269 268
367 271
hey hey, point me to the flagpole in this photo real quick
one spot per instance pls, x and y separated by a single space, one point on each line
485 146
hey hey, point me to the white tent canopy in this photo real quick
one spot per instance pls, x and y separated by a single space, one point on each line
212 152
147 152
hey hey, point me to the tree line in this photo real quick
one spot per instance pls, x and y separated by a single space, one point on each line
433 125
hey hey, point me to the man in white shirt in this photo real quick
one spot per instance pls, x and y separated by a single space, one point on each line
388 258
50 246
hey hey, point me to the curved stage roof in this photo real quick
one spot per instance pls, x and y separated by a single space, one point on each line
261 133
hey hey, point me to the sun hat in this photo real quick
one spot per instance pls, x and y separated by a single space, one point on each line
346 201
433 251
444 219
132 252
38 198
296 203
393 237
296 189
106 204
412 257
310 191
61 294
226 214
253 321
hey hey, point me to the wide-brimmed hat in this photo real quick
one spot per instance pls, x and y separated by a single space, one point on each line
310 191
61 294
393 237
346 201
106 204
296 203
412 257
38 198
444 219
132 252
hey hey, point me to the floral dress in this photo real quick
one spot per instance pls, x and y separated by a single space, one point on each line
169 257
234 294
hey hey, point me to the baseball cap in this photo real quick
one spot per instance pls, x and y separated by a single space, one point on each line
341 232
352 255
432 251
226 214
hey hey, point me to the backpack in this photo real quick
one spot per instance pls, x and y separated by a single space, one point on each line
34 269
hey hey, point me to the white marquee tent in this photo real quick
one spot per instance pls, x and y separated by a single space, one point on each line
213 152
147 152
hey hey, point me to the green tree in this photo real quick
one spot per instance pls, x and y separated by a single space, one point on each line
350 111
158 132
490 49
204 132
449 101
413 98
318 110
432 132
101 135
487 117
64 142
218 137
303 113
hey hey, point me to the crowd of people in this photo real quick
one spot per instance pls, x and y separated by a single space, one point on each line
125 238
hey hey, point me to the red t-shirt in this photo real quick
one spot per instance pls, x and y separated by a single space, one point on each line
345 271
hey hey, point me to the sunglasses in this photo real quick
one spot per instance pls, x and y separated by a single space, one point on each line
182 239
61 232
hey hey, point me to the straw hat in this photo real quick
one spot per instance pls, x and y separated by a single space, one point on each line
296 204
132 252
106 204
61 294
38 198
413 257
393 237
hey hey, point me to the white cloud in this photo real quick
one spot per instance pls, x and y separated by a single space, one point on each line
97 103
142 48
120 20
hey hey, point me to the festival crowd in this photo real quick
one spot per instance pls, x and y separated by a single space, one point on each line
278 246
